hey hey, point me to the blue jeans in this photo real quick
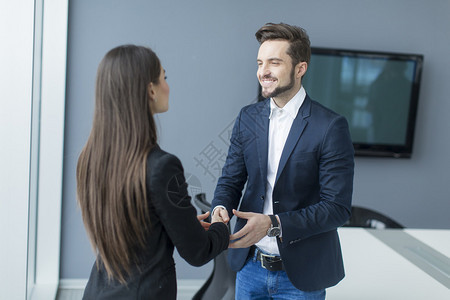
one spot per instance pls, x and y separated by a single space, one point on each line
255 282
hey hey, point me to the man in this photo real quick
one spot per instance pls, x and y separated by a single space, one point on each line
296 158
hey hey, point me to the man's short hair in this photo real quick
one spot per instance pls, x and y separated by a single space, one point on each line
299 45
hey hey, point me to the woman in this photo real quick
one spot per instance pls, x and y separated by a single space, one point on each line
133 195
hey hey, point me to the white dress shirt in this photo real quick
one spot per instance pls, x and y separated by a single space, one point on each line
280 123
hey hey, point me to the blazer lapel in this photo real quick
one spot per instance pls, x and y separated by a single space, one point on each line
296 131
262 135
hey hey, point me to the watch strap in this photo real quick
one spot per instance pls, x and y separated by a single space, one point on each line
274 221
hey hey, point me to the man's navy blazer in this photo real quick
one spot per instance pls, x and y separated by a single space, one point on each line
312 192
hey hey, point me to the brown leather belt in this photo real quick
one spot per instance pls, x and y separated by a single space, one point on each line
269 262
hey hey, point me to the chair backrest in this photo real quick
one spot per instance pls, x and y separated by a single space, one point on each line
367 218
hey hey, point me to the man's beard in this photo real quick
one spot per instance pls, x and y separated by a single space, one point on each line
281 89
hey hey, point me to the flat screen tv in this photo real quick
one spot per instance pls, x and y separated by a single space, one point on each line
377 92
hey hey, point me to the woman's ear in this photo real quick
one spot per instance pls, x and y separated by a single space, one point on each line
151 91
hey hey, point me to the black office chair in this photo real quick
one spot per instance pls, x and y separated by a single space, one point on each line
221 282
367 218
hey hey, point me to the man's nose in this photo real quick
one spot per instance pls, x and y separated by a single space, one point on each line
264 71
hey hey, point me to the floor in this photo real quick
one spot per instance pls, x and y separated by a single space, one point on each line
73 289
73 294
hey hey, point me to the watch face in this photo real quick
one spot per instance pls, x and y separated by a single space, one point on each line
274 231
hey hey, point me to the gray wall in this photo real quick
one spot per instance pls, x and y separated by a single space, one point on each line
209 52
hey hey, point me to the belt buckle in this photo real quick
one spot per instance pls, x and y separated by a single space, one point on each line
263 259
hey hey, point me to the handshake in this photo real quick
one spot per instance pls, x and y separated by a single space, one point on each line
253 231
219 215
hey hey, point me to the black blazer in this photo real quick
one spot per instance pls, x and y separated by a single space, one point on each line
312 192
173 223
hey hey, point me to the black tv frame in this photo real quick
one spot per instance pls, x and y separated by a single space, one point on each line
386 150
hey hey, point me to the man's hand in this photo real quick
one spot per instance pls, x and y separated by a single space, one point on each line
201 217
255 229
220 214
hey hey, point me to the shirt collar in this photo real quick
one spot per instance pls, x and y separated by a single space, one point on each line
293 105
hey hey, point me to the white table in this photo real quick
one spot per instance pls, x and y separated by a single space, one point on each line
376 271
438 239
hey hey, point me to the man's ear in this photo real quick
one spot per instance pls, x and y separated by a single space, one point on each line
300 69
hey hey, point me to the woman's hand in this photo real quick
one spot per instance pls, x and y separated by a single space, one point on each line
202 217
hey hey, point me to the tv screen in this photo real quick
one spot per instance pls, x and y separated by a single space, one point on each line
376 91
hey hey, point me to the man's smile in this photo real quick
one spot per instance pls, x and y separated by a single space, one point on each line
268 81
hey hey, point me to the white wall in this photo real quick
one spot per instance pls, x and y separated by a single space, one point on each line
16 61
32 103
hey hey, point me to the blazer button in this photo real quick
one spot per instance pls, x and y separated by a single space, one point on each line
262 197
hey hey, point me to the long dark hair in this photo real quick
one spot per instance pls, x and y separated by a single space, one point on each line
111 168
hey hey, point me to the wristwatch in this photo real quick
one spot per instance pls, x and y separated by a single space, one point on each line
274 229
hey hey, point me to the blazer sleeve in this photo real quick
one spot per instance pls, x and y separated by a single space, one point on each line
169 196
229 187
